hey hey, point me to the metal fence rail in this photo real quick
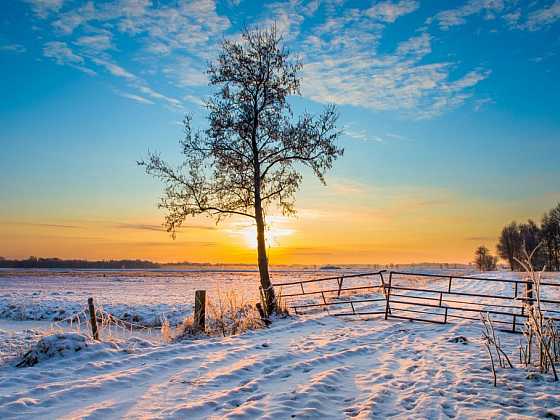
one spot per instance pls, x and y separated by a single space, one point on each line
330 295
438 305
423 302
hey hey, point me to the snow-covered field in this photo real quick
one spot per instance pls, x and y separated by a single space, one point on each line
308 366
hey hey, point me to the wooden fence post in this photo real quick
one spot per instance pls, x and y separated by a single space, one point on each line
200 310
93 319
264 319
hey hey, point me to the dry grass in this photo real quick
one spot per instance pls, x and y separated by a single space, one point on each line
540 346
492 343
226 314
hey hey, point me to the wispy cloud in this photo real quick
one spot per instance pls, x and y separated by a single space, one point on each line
62 54
396 136
361 135
388 11
44 225
114 69
134 97
530 16
349 187
402 80
96 43
481 103
345 61
188 26
156 228
459 15
43 8
543 17
15 48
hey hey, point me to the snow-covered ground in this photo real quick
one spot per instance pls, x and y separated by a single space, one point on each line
308 366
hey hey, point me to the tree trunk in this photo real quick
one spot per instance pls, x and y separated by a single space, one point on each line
268 290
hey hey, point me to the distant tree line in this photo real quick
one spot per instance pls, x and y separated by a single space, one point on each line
34 262
544 239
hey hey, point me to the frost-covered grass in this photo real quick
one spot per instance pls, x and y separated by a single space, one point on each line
311 366
142 297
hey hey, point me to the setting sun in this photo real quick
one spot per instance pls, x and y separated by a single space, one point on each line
274 233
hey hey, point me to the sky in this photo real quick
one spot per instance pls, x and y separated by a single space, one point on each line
450 115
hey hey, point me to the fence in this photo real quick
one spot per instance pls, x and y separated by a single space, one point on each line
363 282
433 298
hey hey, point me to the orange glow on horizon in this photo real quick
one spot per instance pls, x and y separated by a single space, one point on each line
337 227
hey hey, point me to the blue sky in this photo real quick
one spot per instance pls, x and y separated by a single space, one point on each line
452 103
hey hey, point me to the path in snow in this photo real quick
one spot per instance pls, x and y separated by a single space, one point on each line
304 367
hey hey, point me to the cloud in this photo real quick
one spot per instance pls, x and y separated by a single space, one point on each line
61 53
516 15
189 27
481 103
543 17
15 48
361 135
457 16
95 43
287 16
134 97
156 228
400 80
43 8
114 69
396 136
349 187
47 225
174 103
193 99
139 226
387 11
339 44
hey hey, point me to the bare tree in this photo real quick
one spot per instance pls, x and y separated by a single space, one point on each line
250 158
550 230
483 260
510 244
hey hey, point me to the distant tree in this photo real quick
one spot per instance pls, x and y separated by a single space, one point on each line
531 240
510 245
483 260
250 157
550 235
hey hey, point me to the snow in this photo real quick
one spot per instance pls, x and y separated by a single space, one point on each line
137 296
306 366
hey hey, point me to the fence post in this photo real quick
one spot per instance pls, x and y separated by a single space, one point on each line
199 321
93 319
388 296
340 285
264 319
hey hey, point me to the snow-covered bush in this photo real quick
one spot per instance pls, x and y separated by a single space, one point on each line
55 345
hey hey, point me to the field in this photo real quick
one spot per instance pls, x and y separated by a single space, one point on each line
305 366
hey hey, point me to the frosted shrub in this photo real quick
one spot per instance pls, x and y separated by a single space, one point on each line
226 315
229 315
